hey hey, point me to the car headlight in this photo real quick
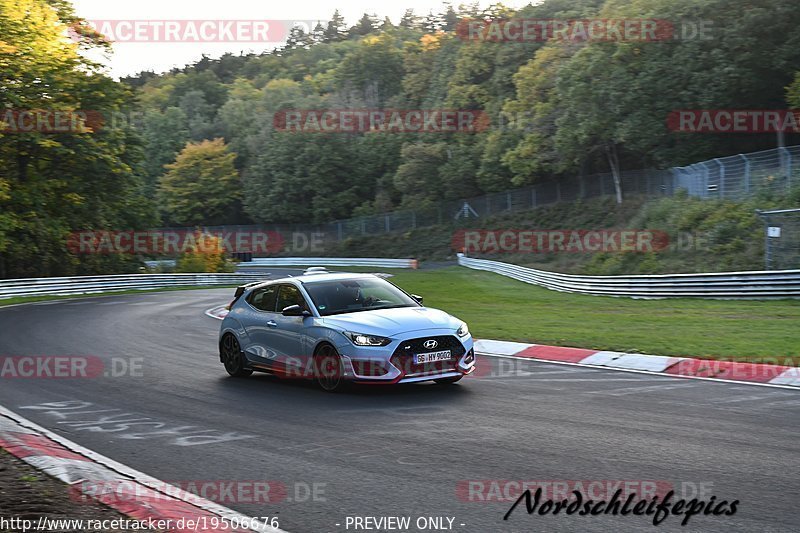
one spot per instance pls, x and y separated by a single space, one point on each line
361 339
463 330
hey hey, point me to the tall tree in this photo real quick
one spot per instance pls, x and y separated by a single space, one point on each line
51 184
202 186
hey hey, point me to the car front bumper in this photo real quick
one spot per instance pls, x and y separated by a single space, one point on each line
395 363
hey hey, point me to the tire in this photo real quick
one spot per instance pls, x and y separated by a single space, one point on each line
329 369
233 358
448 381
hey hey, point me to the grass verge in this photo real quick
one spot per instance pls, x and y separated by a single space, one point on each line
496 307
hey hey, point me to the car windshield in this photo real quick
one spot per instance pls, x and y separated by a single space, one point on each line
353 295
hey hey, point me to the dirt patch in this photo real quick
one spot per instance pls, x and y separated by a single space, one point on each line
28 494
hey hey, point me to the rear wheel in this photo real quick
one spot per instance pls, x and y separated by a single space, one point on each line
233 358
329 369
448 381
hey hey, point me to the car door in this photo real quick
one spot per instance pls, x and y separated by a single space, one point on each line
259 324
288 338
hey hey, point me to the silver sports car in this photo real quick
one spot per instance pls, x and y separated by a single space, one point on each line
339 328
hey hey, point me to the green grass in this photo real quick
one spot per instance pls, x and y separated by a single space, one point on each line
496 307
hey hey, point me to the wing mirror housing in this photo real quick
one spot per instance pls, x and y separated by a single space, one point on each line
417 297
295 310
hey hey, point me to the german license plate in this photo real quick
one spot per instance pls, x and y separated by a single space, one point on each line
431 357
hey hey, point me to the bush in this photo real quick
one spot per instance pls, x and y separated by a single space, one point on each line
206 254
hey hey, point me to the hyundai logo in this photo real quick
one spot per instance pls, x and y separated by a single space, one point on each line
430 344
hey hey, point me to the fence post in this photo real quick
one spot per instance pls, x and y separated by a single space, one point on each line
786 168
746 173
387 224
558 191
533 196
721 178
508 200
413 220
339 230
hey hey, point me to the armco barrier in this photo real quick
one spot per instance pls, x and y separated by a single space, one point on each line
261 262
247 272
753 285
100 284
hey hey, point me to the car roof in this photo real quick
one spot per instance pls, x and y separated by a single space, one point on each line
314 277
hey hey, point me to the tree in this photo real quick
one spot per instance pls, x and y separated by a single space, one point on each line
54 183
365 25
202 186
417 176
410 20
165 134
336 30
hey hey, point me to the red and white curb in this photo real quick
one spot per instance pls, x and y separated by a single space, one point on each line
682 367
219 312
128 491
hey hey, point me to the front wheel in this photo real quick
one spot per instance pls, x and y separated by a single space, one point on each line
233 358
329 369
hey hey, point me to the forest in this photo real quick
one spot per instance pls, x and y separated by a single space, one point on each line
198 145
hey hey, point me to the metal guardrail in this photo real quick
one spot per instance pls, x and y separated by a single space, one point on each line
101 284
723 285
262 262
248 272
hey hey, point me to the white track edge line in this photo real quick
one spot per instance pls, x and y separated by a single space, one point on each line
137 476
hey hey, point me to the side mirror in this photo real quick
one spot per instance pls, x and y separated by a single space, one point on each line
295 310
417 297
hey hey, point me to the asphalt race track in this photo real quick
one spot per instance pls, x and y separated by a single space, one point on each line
401 451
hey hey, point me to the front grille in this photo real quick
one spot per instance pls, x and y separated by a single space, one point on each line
403 357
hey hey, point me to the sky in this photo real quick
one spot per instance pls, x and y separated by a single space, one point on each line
132 57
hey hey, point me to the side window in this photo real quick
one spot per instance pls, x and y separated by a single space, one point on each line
264 298
290 295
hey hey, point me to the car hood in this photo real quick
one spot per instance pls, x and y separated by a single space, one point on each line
388 322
